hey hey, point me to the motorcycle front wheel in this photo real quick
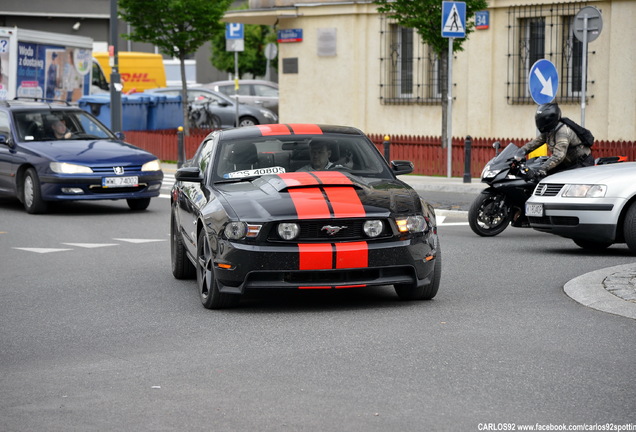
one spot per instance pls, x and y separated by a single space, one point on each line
489 214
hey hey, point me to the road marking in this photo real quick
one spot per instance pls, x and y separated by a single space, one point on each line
91 245
137 241
42 250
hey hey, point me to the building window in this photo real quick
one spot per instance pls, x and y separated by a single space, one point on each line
410 71
544 31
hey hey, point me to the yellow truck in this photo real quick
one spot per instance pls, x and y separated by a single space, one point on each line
139 71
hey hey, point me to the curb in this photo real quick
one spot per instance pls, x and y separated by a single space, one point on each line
589 290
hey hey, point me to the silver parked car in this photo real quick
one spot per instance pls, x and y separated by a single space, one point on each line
211 109
594 206
259 93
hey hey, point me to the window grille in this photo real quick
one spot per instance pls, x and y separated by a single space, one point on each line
544 31
409 69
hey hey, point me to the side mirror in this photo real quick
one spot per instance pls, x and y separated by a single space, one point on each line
496 145
120 136
400 167
6 140
188 174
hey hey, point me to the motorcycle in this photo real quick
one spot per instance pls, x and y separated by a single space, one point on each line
510 184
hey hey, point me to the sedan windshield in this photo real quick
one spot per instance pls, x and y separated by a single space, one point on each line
246 159
49 125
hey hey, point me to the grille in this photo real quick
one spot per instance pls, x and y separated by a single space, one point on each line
313 230
100 190
555 220
548 189
110 170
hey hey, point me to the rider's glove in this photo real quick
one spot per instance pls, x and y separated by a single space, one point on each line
540 173
520 154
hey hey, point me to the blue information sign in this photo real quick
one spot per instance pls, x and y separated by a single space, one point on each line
234 31
453 19
543 81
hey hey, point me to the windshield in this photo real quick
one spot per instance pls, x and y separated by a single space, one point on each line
254 157
51 124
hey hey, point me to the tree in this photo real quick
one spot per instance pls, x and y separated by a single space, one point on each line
251 60
177 27
425 16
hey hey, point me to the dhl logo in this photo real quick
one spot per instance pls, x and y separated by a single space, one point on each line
135 77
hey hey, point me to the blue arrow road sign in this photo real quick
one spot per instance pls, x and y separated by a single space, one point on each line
543 81
233 31
453 19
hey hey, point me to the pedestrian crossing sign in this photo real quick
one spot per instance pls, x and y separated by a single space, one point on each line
453 19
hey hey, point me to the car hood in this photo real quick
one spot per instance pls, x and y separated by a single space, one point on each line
599 174
90 152
297 196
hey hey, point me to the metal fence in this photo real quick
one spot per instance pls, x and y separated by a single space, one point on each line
425 152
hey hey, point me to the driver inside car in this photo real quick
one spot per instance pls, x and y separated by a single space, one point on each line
319 154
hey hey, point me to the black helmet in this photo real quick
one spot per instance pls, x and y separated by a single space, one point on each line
547 117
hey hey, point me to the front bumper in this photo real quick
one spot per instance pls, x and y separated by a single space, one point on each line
325 265
586 219
89 187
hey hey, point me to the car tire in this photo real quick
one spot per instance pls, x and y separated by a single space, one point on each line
592 246
211 297
629 228
182 268
138 204
32 193
489 215
425 292
247 121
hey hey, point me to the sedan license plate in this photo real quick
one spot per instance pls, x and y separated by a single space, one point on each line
534 210
129 181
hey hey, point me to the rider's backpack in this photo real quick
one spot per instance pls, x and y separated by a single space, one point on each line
586 137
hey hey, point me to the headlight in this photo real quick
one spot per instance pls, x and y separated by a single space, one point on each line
268 114
584 191
488 173
288 230
239 230
67 168
373 228
412 224
151 166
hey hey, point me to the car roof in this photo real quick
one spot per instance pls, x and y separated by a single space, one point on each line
28 104
242 81
282 129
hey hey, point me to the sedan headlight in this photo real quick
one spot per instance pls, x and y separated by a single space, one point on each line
268 114
151 166
584 191
412 224
68 168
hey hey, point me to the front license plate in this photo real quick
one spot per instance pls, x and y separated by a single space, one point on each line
534 210
130 181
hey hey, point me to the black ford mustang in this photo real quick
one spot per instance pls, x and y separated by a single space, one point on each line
299 206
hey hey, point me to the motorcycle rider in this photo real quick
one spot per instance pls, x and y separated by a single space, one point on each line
567 151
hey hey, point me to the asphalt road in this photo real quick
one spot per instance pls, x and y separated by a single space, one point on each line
96 334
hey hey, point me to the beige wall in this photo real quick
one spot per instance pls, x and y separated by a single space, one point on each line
344 89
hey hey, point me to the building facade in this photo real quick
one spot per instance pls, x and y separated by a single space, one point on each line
341 62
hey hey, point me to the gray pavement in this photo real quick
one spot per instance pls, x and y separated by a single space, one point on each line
611 290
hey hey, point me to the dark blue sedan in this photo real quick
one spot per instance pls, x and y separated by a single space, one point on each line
54 152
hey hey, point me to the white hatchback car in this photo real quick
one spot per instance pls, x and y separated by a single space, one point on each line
594 206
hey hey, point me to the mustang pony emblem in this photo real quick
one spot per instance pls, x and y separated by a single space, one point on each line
332 230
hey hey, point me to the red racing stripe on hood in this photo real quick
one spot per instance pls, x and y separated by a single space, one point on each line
345 202
310 203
